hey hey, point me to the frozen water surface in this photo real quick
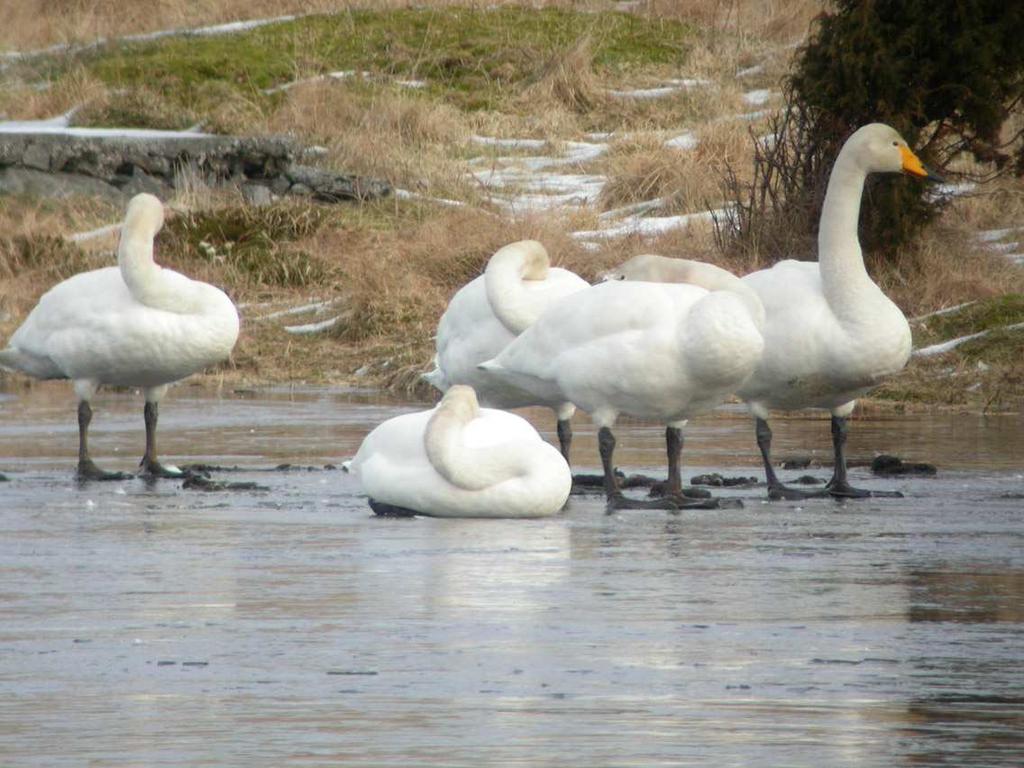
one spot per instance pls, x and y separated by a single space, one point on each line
150 625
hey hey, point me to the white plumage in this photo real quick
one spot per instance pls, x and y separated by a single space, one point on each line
663 352
459 460
136 325
830 333
487 313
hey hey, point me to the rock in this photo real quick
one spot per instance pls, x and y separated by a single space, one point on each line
36 157
797 462
332 186
27 181
893 466
256 194
720 481
806 480
4 478
279 185
135 161
140 181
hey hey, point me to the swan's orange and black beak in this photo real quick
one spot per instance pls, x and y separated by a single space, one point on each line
913 166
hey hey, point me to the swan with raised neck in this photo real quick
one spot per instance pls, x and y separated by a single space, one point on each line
504 276
135 324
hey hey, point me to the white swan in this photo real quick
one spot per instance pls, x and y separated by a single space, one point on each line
830 334
487 313
459 460
136 324
662 352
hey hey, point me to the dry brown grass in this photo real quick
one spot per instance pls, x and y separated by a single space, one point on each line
642 168
566 81
379 131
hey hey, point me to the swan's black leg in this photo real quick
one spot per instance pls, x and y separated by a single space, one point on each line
839 486
564 438
390 510
149 466
776 490
87 469
617 501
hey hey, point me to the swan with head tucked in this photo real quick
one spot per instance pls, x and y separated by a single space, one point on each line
830 333
661 352
487 313
135 325
460 460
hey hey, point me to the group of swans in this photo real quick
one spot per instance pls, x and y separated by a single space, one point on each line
669 340
675 338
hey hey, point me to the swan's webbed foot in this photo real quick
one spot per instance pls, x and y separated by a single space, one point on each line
843 490
152 469
779 492
661 489
87 470
383 509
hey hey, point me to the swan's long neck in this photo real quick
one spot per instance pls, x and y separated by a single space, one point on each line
469 468
143 276
846 282
503 279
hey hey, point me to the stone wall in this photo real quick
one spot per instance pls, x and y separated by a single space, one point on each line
115 165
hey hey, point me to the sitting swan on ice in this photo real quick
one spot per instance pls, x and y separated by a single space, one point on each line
133 325
458 460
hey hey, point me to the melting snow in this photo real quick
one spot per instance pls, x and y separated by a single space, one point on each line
946 346
210 31
646 226
952 190
758 97
683 141
941 312
312 327
58 128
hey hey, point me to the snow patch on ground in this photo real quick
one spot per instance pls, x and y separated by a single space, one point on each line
538 182
758 97
647 226
229 28
323 325
947 346
59 127
941 312
669 88
757 69
686 140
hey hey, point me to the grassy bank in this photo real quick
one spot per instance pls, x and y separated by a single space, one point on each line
379 275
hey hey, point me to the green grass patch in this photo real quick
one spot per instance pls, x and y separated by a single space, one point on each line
469 57
249 243
984 315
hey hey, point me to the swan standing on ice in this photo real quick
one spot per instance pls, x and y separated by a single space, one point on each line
133 325
486 314
830 335
661 352
459 460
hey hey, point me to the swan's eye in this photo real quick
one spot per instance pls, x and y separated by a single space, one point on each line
895 143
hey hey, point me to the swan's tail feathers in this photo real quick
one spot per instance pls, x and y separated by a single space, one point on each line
436 379
36 366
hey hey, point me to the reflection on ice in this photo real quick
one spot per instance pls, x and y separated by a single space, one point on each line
147 625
